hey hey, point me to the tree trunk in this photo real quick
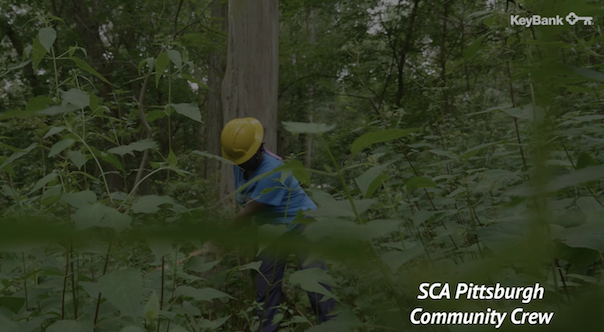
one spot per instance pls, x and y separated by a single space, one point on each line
214 120
311 88
401 62
250 86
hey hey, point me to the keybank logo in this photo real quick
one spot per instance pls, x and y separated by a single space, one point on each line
571 19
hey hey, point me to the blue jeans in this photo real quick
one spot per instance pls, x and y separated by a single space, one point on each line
272 267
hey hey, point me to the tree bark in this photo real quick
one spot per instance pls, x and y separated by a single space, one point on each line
404 50
311 88
250 86
214 119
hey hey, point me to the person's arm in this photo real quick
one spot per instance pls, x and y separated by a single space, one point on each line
249 210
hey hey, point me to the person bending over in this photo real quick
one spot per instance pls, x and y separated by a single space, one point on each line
241 141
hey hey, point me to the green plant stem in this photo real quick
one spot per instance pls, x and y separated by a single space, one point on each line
25 281
97 163
358 217
137 184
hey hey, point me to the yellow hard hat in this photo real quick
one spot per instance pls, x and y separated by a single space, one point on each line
240 139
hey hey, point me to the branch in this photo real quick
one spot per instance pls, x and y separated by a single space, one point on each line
176 17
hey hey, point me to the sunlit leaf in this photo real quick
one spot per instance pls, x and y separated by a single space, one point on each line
175 57
47 37
152 307
189 110
307 128
141 145
77 97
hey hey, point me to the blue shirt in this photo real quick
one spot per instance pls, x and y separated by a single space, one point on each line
282 200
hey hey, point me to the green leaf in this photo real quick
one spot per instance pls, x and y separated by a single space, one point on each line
589 235
37 52
189 110
342 208
123 289
60 146
419 182
132 328
199 265
86 67
296 168
369 181
470 51
395 259
14 304
38 103
204 294
307 128
473 151
70 326
385 135
447 154
175 57
108 157
53 131
135 146
43 181
595 75
212 325
172 159
152 307
77 97
115 220
154 115
527 113
18 155
47 37
89 216
251 266
9 167
92 288
8 325
79 199
421 216
77 157
585 160
310 279
213 156
58 109
160 65
150 203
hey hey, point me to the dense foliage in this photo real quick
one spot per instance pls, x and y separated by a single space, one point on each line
446 146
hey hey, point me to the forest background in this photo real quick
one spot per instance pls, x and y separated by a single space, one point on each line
441 144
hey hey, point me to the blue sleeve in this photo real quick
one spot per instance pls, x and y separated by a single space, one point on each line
275 190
